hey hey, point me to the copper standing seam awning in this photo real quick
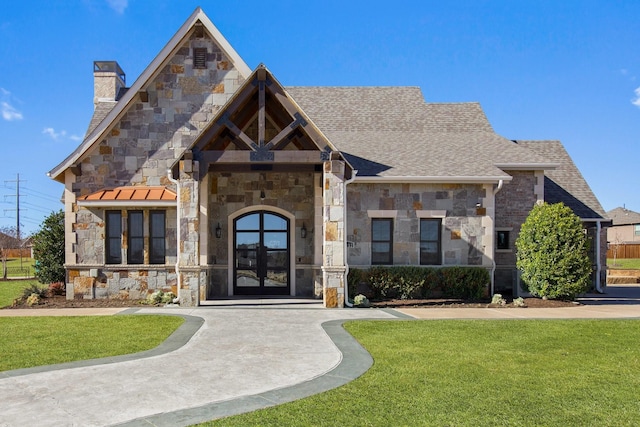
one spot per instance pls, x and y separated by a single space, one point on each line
134 196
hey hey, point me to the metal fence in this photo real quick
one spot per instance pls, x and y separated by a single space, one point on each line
25 271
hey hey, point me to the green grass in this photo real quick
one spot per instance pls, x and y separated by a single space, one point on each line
35 341
625 264
12 289
480 373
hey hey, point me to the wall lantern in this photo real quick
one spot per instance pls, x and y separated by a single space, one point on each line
218 231
262 195
303 231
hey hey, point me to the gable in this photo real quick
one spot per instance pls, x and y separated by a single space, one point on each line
171 83
261 124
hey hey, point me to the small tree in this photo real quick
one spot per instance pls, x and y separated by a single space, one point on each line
8 240
552 252
48 249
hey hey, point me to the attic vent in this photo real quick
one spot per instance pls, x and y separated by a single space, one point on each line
198 31
199 57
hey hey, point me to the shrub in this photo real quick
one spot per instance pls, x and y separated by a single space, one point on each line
354 278
518 302
497 299
160 297
48 249
56 288
33 299
36 289
361 301
470 283
552 253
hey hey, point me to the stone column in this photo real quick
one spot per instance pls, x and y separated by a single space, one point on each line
334 257
189 238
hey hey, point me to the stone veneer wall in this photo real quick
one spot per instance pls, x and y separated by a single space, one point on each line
138 150
230 192
513 204
463 236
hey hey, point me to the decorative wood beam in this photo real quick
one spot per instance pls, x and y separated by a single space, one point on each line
244 156
299 121
224 120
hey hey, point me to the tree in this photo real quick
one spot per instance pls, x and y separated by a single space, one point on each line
48 249
8 240
552 252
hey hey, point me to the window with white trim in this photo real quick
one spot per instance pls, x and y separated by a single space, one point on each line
382 241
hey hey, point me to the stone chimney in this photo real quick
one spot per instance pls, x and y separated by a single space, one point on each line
108 79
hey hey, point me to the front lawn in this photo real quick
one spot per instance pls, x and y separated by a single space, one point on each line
480 373
12 289
35 341
624 263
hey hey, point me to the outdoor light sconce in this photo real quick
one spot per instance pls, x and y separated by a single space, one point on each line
218 231
262 195
303 231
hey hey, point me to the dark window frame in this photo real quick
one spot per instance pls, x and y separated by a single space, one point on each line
424 260
377 260
113 240
157 257
503 242
132 238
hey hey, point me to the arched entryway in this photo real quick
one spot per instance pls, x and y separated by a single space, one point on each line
261 254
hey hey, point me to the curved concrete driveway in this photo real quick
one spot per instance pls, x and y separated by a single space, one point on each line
240 359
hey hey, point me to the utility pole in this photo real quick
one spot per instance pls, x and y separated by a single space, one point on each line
17 209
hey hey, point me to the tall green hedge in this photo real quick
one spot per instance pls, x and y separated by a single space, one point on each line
409 282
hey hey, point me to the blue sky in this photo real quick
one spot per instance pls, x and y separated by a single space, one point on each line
567 70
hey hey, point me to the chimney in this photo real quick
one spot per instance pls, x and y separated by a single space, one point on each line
108 79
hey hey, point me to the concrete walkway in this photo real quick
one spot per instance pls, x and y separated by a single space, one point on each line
238 359
228 360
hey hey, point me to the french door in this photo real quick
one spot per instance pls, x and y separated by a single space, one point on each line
261 254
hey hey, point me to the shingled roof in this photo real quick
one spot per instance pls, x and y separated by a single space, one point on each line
391 132
565 183
623 216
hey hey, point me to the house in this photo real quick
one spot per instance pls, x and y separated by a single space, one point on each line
212 179
625 227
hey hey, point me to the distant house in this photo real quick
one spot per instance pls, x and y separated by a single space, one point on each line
213 180
625 228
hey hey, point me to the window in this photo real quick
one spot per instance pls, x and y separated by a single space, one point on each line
502 240
200 57
135 250
156 237
637 229
382 241
113 237
430 242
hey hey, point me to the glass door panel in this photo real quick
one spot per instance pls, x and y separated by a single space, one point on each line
261 255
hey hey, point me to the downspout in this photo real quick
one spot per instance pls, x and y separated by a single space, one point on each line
346 264
174 181
598 263
493 256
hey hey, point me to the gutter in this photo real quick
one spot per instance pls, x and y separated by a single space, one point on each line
493 258
179 278
346 264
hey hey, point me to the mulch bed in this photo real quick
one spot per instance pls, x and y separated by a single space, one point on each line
60 301
455 303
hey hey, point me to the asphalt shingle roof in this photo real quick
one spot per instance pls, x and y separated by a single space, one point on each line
565 184
623 216
392 132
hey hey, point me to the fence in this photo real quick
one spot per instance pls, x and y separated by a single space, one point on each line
17 253
623 251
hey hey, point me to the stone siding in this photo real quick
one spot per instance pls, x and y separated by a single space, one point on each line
231 192
463 235
154 131
513 204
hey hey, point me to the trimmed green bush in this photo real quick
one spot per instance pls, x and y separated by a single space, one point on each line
552 252
48 249
408 282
